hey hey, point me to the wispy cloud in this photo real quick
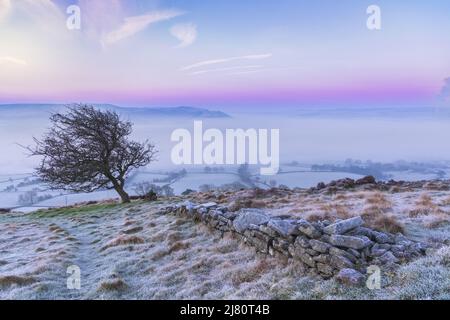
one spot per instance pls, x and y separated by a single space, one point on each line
41 9
44 14
239 68
225 60
133 25
238 73
13 61
185 32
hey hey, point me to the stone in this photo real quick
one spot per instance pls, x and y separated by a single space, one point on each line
248 217
325 238
350 277
302 242
321 185
365 180
308 229
388 258
260 235
280 245
377 251
340 262
419 247
312 252
322 258
382 238
354 252
402 240
350 241
214 213
343 226
398 248
229 215
284 228
307 259
291 250
208 205
319 246
361 231
325 269
338 252
268 231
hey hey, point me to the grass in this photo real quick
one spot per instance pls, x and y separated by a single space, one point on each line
123 240
427 210
379 200
113 285
388 224
445 202
6 281
174 258
79 210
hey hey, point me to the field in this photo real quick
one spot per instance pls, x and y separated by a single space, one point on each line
135 251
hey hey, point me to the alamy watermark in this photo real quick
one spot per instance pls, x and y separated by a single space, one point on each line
74 278
73 21
232 147
374 279
374 19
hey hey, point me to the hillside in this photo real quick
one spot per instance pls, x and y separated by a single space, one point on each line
144 251
26 110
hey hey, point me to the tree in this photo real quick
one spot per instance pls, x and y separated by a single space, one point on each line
245 174
87 149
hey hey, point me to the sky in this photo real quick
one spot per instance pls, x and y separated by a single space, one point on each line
225 53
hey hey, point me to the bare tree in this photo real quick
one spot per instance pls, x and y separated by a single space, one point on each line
87 149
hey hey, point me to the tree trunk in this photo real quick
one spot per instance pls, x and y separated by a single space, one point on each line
123 195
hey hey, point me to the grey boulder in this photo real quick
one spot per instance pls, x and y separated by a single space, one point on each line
249 217
356 243
284 228
343 226
350 277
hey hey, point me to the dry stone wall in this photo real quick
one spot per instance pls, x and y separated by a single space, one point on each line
344 248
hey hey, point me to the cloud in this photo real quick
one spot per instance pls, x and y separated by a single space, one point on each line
13 61
225 60
41 9
133 25
245 72
186 33
44 14
5 6
240 68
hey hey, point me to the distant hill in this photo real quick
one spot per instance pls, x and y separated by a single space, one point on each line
180 112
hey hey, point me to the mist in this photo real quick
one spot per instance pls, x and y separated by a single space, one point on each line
304 139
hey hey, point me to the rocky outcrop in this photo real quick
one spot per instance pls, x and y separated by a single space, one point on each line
369 183
344 248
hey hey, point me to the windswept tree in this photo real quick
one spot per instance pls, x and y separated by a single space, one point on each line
87 149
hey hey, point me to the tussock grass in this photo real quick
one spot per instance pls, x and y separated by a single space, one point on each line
425 206
388 223
6 281
379 200
251 273
180 245
113 285
123 240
